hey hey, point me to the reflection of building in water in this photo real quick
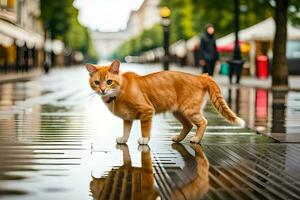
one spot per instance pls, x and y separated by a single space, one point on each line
143 18
261 109
250 104
242 102
265 111
6 96
261 106
27 119
292 112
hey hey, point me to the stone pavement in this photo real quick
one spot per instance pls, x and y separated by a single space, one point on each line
57 141
7 77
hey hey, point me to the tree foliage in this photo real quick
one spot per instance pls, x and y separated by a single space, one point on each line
189 17
56 16
147 40
294 12
61 20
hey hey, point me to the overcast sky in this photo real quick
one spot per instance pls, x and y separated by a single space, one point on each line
106 15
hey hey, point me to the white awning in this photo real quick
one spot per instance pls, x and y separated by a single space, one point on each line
192 42
55 46
21 36
178 48
263 31
6 41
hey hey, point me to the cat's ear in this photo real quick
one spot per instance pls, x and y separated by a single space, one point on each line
114 67
91 68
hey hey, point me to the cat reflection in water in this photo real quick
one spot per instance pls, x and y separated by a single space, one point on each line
128 182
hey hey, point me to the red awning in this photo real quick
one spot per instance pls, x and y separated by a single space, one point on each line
227 48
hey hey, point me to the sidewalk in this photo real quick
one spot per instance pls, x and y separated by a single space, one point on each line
248 81
58 142
21 76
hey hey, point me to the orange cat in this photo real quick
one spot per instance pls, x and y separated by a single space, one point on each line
130 97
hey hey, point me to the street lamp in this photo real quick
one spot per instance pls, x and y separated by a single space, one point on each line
165 14
236 64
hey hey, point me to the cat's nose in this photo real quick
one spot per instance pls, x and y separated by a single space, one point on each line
102 91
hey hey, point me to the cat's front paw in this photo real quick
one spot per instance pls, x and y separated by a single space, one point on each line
121 140
176 138
195 139
143 148
122 147
143 140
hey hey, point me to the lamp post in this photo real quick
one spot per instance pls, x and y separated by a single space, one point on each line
165 14
236 64
237 50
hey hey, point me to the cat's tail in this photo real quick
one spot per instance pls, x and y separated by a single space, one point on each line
219 102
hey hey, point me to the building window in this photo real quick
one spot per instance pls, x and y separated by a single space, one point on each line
7 4
3 3
10 4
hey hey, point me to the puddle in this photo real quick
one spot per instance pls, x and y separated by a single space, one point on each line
275 113
58 143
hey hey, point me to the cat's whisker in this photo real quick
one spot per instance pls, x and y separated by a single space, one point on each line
92 94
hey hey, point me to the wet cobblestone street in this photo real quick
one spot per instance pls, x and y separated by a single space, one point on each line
57 141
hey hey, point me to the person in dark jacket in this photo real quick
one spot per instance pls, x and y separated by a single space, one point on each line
208 54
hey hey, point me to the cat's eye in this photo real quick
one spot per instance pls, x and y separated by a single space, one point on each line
97 82
109 82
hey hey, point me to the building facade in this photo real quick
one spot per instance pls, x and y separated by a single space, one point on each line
143 18
21 35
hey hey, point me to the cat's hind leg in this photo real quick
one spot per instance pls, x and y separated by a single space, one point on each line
127 124
186 126
200 122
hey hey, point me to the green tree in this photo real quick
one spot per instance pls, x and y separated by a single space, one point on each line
76 35
279 65
293 12
56 16
189 17
148 39
61 20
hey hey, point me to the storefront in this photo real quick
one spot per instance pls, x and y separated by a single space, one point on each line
257 41
20 49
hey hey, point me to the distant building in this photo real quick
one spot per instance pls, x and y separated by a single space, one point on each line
143 18
107 42
28 15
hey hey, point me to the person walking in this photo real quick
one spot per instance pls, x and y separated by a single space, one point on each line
208 54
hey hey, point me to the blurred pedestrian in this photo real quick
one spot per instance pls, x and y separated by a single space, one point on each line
208 54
